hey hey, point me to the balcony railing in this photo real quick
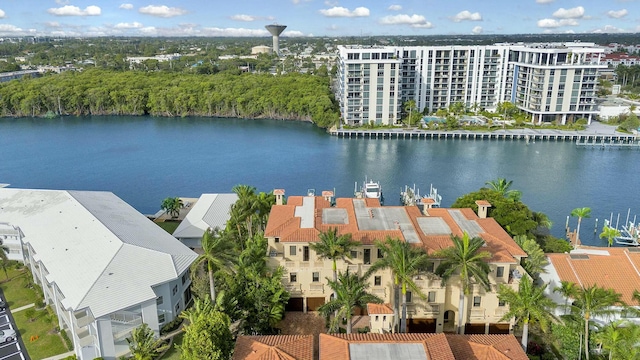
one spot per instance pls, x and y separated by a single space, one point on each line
477 313
379 292
316 287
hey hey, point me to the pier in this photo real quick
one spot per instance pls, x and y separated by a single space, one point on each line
581 138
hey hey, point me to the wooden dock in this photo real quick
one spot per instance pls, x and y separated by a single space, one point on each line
580 138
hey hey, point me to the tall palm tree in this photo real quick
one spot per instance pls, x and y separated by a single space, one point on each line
144 345
334 247
351 292
592 301
466 259
405 262
244 209
580 213
609 233
218 254
528 304
172 206
503 186
611 336
566 287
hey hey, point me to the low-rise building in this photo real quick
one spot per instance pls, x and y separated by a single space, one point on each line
294 226
103 267
210 211
609 268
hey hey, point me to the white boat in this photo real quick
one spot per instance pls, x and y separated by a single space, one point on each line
629 235
411 197
369 189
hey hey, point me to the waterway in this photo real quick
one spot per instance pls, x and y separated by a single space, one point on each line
144 160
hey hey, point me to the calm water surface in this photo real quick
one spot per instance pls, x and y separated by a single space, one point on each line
144 160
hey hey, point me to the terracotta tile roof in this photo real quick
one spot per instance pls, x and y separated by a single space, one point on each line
620 270
483 203
437 346
278 192
486 347
379 308
274 347
327 193
283 224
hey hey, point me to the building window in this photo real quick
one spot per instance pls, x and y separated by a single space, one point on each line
160 318
377 280
293 277
177 307
501 302
431 296
500 271
292 250
184 278
377 317
277 240
354 254
430 266
380 255
384 318
159 300
476 301
409 296
175 290
315 277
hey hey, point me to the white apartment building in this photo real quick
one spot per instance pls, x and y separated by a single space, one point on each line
549 81
103 267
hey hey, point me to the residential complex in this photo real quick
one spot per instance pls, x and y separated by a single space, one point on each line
550 81
103 267
293 227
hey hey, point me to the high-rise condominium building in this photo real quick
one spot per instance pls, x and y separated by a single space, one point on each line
551 81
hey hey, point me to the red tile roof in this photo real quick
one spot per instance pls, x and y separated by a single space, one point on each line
620 270
483 203
274 347
379 309
287 227
489 347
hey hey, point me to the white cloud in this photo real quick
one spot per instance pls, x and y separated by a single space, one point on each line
617 14
12 30
126 6
69 10
609 29
2 14
476 30
545 1
573 13
554 23
333 27
339 11
133 25
162 11
395 7
53 24
416 21
331 3
467 15
243 17
62 2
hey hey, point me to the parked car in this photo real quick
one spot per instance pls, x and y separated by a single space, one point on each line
3 305
7 335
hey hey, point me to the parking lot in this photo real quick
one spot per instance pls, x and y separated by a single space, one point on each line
14 349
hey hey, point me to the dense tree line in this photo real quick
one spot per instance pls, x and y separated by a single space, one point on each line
101 92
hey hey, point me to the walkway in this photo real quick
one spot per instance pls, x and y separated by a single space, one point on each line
23 308
61 356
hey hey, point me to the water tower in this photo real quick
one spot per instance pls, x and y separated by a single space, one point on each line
276 30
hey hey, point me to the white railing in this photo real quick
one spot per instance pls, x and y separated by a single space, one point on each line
477 313
293 287
126 317
500 312
82 318
316 287
432 309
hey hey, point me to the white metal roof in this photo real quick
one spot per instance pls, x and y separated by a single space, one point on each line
101 252
210 211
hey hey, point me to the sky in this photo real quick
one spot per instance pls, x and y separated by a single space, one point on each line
331 18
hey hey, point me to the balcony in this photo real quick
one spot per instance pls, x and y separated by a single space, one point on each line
316 288
500 311
85 338
432 309
477 314
123 322
380 292
82 318
293 288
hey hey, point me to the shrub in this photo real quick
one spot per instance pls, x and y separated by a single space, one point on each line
39 304
30 313
71 357
66 339
170 326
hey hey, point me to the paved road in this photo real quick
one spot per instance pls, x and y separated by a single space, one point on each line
15 349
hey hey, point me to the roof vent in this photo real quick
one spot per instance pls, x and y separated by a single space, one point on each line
579 256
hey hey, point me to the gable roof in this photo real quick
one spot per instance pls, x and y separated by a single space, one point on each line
304 217
435 346
210 211
610 268
274 347
94 246
375 309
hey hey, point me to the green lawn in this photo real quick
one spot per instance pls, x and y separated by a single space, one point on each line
49 343
174 353
169 226
14 289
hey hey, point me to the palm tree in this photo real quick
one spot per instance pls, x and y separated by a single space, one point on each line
405 261
466 259
503 186
351 292
611 337
580 213
609 233
566 287
219 253
172 206
334 247
528 304
4 260
592 301
536 260
144 345
244 209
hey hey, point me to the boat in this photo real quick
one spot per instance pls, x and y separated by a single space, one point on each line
410 196
629 235
369 190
